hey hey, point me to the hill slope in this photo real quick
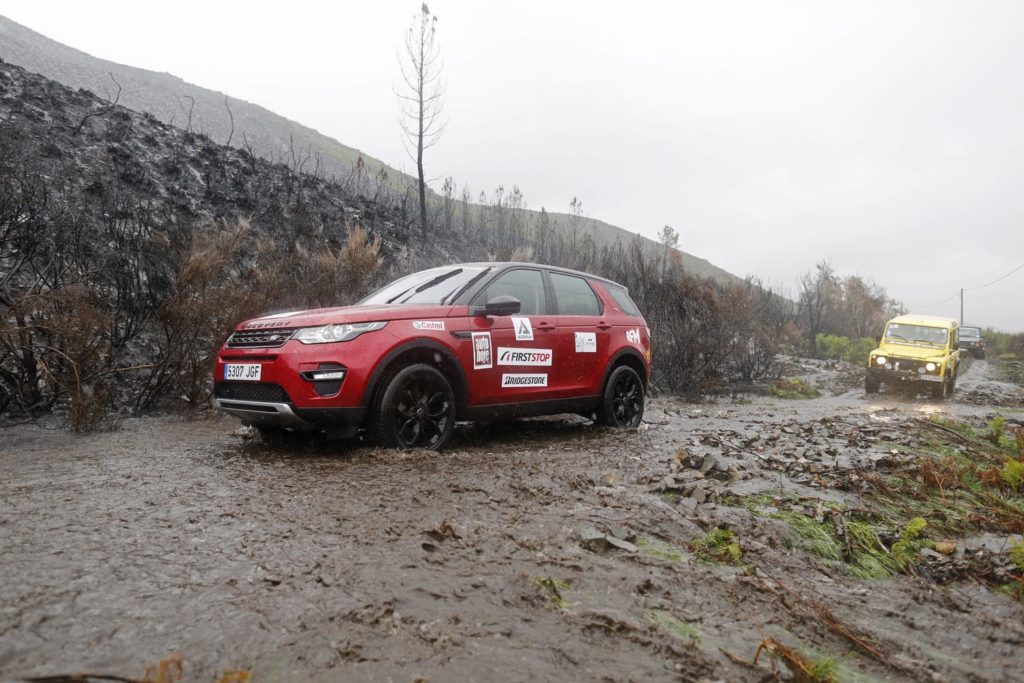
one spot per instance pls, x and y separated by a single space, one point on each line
166 97
271 136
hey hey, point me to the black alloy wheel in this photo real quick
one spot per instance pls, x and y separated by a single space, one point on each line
622 404
415 410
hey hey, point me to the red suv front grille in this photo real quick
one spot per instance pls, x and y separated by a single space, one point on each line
249 339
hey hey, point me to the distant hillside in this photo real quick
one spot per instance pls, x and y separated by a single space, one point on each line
273 137
165 96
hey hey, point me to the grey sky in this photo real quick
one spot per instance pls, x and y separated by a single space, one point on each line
885 136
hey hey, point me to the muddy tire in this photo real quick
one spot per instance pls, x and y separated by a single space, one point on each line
622 402
942 390
871 384
415 409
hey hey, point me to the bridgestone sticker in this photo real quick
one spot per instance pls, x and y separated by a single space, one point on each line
508 381
586 342
482 351
523 328
633 336
428 324
509 356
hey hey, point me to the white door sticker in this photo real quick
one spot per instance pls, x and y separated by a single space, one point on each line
586 342
482 350
633 336
512 381
523 328
513 356
428 324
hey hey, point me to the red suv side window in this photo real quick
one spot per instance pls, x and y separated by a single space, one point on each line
574 295
623 300
525 285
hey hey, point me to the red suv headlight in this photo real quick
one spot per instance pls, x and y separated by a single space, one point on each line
328 334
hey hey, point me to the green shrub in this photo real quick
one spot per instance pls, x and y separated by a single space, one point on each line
1013 474
835 347
793 388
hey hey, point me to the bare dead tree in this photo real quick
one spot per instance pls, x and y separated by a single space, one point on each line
102 111
191 106
421 97
250 150
232 117
816 298
575 219
669 238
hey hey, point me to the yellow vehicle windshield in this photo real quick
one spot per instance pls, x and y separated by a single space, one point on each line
898 333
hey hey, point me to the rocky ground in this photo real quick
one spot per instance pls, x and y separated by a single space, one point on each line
842 537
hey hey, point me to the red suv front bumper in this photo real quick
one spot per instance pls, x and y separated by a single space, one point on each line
288 393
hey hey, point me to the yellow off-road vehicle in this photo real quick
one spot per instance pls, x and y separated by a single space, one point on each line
919 349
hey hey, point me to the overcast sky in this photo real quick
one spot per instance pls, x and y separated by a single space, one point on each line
887 137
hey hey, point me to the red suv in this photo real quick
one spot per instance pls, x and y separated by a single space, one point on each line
466 342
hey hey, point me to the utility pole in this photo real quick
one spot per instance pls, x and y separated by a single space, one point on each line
961 305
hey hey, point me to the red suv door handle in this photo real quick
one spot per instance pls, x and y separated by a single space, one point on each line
603 326
545 327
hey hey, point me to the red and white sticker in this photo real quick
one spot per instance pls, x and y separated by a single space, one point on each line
633 336
514 356
515 381
482 351
428 325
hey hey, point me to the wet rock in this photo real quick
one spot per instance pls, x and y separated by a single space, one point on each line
593 540
687 504
444 531
708 463
611 479
621 544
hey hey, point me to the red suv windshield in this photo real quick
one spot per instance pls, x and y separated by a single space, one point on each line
435 286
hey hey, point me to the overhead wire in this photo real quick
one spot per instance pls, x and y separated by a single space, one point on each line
973 289
1002 277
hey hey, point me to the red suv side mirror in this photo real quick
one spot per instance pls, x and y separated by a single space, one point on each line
498 306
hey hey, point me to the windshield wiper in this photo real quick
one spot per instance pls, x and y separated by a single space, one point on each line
392 299
452 296
896 336
430 283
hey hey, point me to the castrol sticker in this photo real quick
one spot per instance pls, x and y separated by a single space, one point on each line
428 325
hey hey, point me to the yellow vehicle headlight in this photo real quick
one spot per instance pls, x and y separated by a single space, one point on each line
880 360
930 367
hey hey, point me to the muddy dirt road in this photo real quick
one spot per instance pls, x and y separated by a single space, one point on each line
541 550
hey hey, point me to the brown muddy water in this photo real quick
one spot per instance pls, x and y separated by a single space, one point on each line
319 561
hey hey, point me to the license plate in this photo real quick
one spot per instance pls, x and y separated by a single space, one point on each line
244 372
930 378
